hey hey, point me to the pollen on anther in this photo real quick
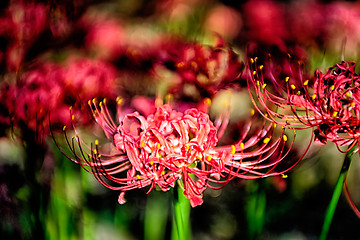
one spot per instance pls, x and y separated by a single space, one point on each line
64 128
335 114
332 87
263 86
284 175
209 158
158 145
261 67
285 138
207 101
252 112
138 177
266 140
233 149
306 82
151 163
287 79
313 96
242 145
96 142
254 72
292 86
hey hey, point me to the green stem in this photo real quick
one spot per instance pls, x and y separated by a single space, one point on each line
181 214
156 215
336 195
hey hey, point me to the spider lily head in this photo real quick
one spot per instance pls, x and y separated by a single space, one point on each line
327 102
169 147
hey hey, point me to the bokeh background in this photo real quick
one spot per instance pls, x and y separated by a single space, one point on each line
50 49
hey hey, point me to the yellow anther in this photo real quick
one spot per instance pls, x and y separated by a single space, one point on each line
100 104
72 117
257 83
169 97
99 156
119 100
289 55
292 86
95 151
266 140
348 94
284 175
251 60
70 108
287 79
138 177
261 67
64 128
151 163
187 146
162 173
298 93
96 142
306 82
332 87
158 145
180 64
207 101
233 149
263 86
142 144
265 114
242 145
94 100
158 102
254 72
285 138
255 59
313 96
352 104
104 100
252 112
335 114
275 125
89 102
209 158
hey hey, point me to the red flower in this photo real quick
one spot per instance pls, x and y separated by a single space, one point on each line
170 146
329 102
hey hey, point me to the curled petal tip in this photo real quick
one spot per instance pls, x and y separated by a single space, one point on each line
121 199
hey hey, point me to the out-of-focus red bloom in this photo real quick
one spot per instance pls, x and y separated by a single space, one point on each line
225 21
329 102
265 22
170 146
51 88
206 68
21 24
105 37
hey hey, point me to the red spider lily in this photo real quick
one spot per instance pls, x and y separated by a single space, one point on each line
170 146
207 68
52 88
329 102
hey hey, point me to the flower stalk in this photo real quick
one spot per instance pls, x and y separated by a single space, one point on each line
181 215
336 194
